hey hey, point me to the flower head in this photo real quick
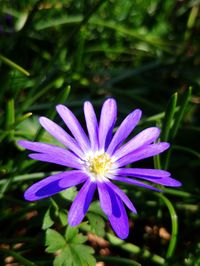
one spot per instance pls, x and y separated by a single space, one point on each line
98 159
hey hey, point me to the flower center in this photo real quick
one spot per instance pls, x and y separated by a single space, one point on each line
99 166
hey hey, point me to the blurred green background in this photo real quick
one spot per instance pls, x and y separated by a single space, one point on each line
145 54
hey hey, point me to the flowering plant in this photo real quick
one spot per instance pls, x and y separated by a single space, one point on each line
98 158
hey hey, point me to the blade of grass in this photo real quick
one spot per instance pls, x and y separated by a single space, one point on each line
181 112
186 149
14 65
169 116
44 85
62 97
86 18
21 178
152 40
18 257
193 15
10 114
156 158
10 117
177 122
20 120
157 116
53 22
132 72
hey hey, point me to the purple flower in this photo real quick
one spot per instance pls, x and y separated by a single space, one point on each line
98 159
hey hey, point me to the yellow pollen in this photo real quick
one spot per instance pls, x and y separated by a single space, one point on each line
100 164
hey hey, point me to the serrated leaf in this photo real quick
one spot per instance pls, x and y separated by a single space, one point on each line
97 224
64 258
72 252
69 193
54 241
47 220
79 239
70 233
63 217
75 255
55 206
85 255
95 208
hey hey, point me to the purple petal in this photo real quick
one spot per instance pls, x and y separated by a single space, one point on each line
51 153
104 197
120 223
124 130
56 159
145 152
135 182
51 185
75 177
92 125
107 122
61 135
122 196
74 126
153 175
115 207
143 172
81 203
145 137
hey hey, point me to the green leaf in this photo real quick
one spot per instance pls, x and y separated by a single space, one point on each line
54 241
97 224
77 255
69 194
84 253
64 258
71 232
95 208
63 217
55 206
79 239
70 250
47 221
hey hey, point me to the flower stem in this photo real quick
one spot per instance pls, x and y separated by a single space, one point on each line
144 253
118 260
174 224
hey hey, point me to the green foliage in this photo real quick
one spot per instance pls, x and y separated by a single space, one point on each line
54 241
146 55
97 224
70 249
47 221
